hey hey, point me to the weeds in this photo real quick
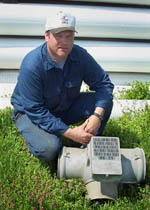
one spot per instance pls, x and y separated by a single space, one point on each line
138 91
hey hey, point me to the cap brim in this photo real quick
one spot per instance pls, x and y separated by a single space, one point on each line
58 30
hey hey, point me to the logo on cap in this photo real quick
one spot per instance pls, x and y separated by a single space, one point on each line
64 19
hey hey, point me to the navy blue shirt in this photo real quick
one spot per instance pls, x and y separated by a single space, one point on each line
44 89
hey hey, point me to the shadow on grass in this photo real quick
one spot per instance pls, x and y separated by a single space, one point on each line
51 166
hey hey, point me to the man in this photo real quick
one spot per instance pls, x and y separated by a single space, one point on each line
47 96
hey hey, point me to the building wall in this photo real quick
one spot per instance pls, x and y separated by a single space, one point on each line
116 34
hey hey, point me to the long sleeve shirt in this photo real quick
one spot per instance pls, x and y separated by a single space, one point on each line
44 89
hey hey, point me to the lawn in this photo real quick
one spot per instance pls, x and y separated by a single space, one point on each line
27 183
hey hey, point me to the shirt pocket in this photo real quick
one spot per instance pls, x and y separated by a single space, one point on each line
73 88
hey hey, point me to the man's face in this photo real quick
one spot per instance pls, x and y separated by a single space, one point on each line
60 44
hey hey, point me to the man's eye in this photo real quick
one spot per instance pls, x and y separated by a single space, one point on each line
69 37
58 36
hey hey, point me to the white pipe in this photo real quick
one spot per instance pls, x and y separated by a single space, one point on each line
112 56
76 162
92 21
121 106
102 175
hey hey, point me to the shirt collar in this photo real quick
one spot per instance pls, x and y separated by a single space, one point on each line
50 64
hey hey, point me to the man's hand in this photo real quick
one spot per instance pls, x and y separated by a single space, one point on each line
94 122
93 125
83 133
79 134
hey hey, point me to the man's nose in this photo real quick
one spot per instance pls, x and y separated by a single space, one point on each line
64 40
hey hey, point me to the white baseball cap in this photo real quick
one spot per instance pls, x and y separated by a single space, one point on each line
60 22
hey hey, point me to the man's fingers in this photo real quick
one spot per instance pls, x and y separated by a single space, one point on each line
84 124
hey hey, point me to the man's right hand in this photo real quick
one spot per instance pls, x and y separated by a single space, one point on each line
78 134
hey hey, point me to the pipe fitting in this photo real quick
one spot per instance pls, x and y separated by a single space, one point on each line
102 165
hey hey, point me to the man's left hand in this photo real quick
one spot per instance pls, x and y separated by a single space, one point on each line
93 125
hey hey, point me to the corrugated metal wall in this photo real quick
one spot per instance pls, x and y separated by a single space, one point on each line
117 34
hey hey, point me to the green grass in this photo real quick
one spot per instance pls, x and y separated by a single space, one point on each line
26 183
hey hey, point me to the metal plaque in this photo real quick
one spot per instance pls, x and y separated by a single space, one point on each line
105 155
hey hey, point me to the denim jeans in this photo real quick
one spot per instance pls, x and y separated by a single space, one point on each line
46 146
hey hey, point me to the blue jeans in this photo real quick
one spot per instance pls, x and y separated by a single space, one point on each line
46 146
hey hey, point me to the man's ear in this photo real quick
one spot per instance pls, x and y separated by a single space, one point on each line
46 36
